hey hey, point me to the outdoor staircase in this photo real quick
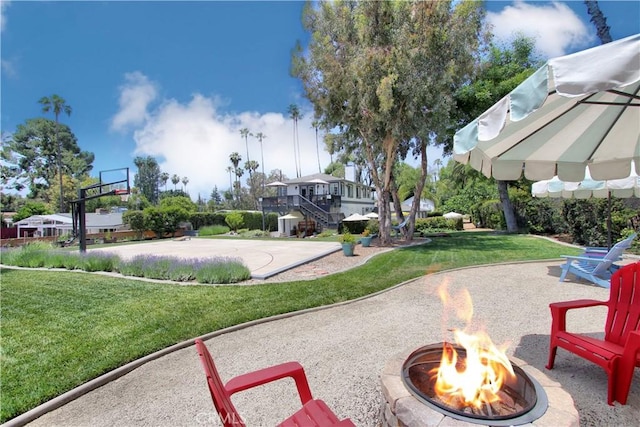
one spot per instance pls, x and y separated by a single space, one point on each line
322 218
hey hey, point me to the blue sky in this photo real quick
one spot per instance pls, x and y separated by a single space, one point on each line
177 80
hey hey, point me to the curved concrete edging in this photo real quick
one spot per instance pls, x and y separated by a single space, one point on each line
82 389
295 264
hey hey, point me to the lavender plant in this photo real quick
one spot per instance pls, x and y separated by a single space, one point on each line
206 270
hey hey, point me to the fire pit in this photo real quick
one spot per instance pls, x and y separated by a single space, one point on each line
401 406
519 400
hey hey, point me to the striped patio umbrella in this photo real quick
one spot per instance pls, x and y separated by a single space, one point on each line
576 111
622 188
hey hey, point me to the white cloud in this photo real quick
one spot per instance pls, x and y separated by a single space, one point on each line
555 27
8 68
135 96
194 140
4 4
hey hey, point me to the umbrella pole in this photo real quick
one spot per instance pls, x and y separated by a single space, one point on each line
609 220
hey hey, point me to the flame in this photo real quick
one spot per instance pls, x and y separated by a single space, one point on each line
475 379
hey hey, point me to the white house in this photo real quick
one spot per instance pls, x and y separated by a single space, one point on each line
426 206
60 224
324 199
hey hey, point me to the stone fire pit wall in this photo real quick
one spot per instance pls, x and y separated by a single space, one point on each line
400 408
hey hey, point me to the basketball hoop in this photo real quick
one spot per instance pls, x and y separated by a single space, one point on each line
123 193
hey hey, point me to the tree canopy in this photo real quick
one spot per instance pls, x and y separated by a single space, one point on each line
148 178
29 157
383 74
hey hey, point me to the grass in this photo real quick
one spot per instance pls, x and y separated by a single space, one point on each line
61 329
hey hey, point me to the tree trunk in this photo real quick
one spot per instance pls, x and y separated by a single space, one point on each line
415 207
383 182
384 218
507 207
397 204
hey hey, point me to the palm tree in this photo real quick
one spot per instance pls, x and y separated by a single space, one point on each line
598 19
58 105
235 159
164 177
438 164
185 181
244 132
260 137
316 125
294 114
175 179
230 170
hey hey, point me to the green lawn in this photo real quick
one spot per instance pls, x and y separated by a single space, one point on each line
61 329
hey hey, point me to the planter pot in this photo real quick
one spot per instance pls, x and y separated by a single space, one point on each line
366 241
347 248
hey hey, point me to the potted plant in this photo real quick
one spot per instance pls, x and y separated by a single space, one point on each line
348 242
366 237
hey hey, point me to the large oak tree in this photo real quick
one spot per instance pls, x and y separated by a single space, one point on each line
383 75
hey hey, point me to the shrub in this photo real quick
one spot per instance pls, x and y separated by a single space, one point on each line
57 259
222 270
373 226
255 233
347 237
213 230
155 221
136 221
133 267
213 270
252 220
234 220
32 255
438 223
354 227
98 261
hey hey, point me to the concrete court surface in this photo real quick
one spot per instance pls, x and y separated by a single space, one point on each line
264 258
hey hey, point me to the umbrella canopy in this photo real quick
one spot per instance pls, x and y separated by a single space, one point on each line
625 187
288 216
577 110
622 188
318 181
276 184
452 215
356 217
372 215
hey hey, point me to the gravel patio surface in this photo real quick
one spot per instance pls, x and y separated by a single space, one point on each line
345 347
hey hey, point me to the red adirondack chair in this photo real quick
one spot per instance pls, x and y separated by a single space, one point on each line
619 352
314 412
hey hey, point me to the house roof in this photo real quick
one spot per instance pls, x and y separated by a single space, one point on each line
93 220
309 179
426 205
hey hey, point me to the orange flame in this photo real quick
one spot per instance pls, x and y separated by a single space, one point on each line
477 378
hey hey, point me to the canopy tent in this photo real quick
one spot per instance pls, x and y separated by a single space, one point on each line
356 217
576 111
372 215
452 215
287 222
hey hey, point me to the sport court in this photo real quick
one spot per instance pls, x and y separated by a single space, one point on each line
264 258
